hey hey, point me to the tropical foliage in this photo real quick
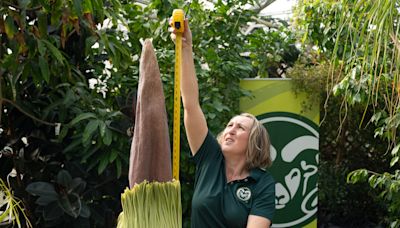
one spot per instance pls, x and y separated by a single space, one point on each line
68 76
360 39
58 130
11 208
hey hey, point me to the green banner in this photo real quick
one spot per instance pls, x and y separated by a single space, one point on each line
294 135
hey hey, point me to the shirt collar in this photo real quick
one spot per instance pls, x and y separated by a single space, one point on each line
256 173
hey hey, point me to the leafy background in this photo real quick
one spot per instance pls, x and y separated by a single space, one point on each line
68 78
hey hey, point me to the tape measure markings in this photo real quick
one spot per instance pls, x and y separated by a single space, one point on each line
177 23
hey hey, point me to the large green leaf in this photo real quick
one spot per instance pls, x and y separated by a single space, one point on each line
102 128
41 188
87 6
85 211
10 27
41 47
71 204
42 24
77 185
394 161
90 129
98 9
44 200
113 155
44 68
107 139
77 7
395 150
104 161
82 116
64 178
54 51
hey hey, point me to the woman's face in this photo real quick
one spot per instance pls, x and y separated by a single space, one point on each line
236 135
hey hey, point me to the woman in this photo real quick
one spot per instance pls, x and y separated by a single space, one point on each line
232 188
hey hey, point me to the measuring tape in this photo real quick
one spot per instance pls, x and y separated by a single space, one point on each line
177 23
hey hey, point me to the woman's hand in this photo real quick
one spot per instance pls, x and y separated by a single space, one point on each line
186 36
195 122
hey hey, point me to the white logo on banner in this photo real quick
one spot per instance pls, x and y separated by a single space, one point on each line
296 184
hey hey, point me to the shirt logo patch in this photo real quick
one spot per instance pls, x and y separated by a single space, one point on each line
243 193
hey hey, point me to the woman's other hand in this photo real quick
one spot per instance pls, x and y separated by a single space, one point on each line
186 36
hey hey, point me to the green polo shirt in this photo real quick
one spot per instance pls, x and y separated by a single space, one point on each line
216 203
